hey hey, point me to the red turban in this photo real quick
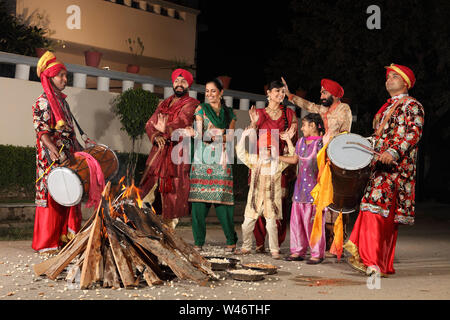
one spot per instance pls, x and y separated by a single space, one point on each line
48 67
332 87
405 72
183 73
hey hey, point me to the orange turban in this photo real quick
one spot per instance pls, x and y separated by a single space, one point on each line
48 67
183 73
405 72
332 87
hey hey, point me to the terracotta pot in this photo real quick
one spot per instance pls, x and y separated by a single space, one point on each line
132 68
93 58
40 52
225 81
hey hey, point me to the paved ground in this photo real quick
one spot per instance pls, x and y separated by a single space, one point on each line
422 265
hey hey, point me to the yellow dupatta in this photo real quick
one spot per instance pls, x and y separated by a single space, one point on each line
322 194
323 197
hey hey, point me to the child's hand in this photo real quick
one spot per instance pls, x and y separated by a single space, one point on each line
285 136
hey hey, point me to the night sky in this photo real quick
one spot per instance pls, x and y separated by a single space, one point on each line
236 39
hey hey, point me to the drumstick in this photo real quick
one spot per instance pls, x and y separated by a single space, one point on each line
60 150
368 149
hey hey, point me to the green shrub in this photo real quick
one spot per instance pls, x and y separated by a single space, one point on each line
134 107
18 174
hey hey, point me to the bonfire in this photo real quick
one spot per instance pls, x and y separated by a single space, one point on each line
126 244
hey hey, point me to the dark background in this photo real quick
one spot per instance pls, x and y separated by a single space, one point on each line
304 41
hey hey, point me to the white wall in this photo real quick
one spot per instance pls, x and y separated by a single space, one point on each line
91 108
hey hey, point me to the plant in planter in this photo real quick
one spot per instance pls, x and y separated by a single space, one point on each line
134 107
136 47
93 57
182 63
20 36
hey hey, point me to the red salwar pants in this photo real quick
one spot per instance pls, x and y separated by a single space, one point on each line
55 225
372 242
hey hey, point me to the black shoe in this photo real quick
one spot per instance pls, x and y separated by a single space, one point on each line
310 261
293 258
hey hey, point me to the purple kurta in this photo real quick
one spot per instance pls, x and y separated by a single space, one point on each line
303 210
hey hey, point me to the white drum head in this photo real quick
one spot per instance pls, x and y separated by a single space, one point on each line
349 156
65 186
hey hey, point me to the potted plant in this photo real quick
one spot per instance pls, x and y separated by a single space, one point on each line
134 107
92 57
22 36
136 47
182 63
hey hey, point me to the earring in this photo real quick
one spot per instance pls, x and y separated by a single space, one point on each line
268 98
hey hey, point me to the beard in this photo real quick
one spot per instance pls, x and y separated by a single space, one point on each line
179 94
327 102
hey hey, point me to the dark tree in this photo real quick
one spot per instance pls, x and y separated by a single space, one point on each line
330 39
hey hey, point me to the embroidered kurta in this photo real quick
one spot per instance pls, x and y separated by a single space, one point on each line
43 122
396 183
210 181
264 195
173 178
336 119
307 169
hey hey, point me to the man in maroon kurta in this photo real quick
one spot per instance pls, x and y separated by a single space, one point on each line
162 176
389 196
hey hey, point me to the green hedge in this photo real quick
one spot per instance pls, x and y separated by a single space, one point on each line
18 174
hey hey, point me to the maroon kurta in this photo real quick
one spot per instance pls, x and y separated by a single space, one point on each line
173 178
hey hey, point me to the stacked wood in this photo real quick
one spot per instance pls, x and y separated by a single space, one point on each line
123 244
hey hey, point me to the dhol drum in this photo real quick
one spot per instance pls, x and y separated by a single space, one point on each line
350 170
69 182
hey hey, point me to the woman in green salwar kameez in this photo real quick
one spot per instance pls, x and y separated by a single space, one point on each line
211 177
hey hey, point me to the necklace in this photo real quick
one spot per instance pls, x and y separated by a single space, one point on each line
273 113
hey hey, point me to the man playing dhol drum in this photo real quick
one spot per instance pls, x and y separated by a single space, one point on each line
55 140
389 196
337 118
175 112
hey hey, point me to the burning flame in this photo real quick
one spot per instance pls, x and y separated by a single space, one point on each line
131 192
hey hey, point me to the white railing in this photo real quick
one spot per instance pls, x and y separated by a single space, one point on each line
158 6
232 98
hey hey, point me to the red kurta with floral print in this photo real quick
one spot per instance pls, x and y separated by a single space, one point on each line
44 123
395 184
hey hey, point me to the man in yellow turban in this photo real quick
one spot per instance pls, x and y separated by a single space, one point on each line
55 141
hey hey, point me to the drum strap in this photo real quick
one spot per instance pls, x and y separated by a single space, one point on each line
389 114
82 134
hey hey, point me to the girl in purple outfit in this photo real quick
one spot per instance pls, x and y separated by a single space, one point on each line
303 209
